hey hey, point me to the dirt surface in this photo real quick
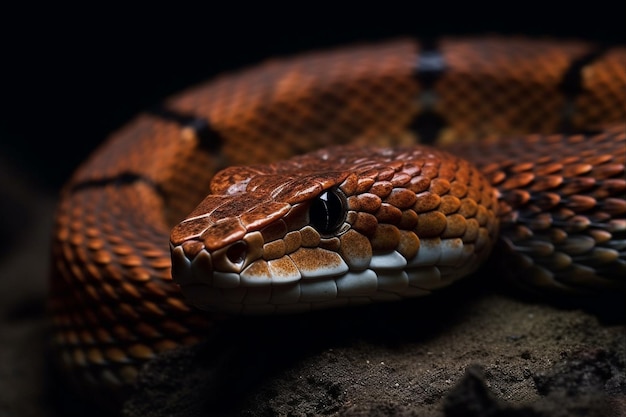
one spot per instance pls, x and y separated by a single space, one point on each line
470 351
463 352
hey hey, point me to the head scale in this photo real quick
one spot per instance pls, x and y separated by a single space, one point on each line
331 228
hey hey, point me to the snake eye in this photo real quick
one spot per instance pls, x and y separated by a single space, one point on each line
328 211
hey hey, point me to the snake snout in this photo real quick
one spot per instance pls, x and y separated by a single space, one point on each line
212 279
233 258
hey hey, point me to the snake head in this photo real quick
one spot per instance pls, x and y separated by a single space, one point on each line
302 234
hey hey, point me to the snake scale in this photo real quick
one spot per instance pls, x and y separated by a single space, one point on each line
371 216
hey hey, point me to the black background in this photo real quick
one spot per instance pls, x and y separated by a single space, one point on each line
71 75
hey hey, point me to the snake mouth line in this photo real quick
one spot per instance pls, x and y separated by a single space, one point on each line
351 288
388 276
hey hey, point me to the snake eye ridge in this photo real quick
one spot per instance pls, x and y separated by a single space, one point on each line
328 211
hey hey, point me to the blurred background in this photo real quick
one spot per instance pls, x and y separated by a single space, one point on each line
71 75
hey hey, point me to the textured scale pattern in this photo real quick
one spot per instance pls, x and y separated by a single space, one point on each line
403 206
563 214
492 78
560 198
602 91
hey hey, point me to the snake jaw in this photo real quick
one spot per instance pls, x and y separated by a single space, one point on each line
386 230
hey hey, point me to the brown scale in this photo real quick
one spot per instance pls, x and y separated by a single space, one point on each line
112 299
281 105
493 88
375 217
564 214
602 97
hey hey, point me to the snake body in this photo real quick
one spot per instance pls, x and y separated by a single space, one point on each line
353 223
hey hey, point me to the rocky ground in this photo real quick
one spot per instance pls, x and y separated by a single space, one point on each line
475 350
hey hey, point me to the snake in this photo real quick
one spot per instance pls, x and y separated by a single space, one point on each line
365 173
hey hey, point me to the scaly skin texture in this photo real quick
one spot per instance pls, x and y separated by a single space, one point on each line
113 302
410 220
563 208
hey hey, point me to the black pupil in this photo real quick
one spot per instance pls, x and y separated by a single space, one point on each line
327 211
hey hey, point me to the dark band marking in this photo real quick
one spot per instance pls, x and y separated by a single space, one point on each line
210 139
571 85
121 179
430 66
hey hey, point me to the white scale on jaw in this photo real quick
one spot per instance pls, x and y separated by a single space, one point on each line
389 277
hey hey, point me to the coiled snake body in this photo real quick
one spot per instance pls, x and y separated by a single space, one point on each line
347 224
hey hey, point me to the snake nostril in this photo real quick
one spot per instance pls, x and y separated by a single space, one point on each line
237 253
